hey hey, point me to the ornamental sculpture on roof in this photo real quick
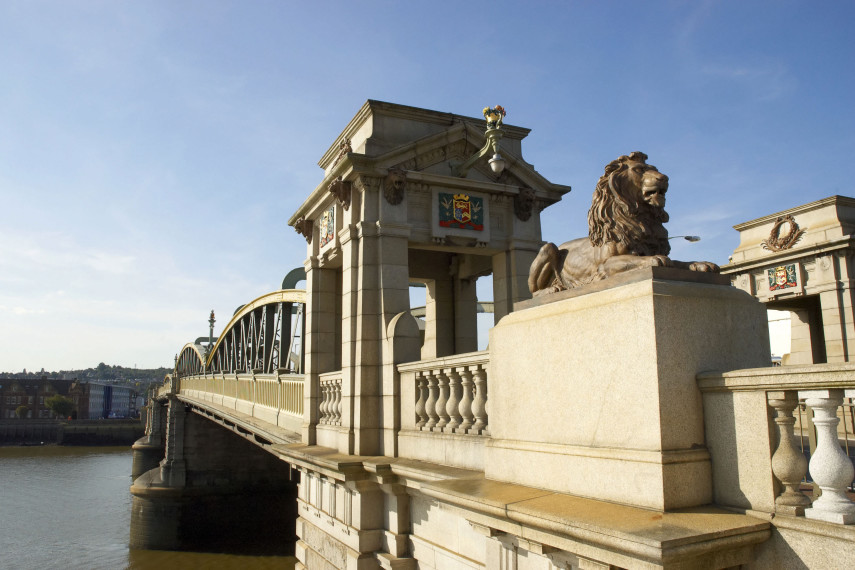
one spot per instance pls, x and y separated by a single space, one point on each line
776 242
625 231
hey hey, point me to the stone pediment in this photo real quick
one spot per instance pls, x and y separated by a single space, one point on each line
438 153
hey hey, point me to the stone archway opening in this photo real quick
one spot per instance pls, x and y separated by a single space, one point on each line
807 336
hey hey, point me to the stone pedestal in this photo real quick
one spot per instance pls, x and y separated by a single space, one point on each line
593 390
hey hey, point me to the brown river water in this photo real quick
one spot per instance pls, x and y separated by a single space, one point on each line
70 508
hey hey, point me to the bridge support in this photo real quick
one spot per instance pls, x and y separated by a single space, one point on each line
148 450
214 491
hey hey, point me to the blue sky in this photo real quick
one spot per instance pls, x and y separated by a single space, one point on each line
151 152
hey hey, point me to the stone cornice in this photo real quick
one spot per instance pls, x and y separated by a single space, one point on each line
355 164
836 200
795 254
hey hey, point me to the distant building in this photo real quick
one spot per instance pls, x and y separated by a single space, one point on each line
800 261
95 400
30 392
92 400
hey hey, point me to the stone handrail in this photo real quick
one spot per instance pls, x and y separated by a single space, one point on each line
826 389
165 389
450 394
329 409
275 398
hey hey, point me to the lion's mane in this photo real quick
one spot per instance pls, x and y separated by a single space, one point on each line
619 214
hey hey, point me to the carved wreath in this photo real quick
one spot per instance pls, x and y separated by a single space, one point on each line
778 243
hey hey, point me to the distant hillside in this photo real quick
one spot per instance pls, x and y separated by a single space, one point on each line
100 372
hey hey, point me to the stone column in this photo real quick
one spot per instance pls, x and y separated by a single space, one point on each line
380 292
801 347
510 280
350 242
834 326
465 316
439 319
322 327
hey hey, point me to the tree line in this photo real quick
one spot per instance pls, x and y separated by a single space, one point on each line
100 372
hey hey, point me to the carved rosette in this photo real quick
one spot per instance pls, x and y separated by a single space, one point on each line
778 243
394 186
304 227
524 203
341 190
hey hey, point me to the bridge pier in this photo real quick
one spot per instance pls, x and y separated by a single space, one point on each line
148 450
214 491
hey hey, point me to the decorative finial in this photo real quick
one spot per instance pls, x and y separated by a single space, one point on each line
494 116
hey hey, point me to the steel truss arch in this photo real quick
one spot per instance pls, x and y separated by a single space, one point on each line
191 360
264 336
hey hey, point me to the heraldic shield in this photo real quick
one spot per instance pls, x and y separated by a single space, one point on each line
461 211
782 277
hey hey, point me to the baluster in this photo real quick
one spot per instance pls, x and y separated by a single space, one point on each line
324 402
479 406
430 405
442 400
830 468
788 462
421 393
466 400
453 400
338 403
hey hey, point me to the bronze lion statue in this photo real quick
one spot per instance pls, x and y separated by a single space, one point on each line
625 231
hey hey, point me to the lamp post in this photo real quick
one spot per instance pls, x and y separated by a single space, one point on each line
211 321
494 116
688 238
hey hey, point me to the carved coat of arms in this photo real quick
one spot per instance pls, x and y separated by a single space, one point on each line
461 211
328 226
782 277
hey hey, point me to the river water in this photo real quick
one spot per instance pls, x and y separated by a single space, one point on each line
70 508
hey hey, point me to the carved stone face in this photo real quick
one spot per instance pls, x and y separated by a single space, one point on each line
653 183
395 185
524 204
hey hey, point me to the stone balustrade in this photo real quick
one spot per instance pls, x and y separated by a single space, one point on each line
451 393
165 389
274 398
329 409
827 391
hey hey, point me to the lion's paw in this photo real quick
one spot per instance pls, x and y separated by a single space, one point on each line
660 261
705 266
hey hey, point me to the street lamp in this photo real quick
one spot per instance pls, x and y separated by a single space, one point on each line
494 116
211 321
688 238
